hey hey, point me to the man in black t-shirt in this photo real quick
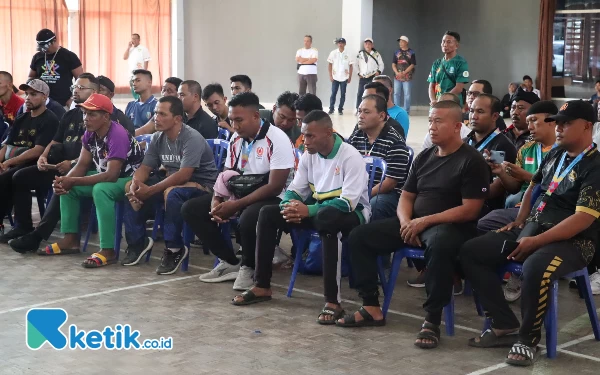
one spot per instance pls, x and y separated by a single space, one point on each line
190 94
556 236
485 137
29 135
55 65
438 210
215 100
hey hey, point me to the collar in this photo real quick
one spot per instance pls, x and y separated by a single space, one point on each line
195 114
336 147
471 136
150 100
262 133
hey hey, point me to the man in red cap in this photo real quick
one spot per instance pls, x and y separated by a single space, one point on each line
9 101
116 155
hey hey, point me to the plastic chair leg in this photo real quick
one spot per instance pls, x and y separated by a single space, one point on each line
188 237
583 282
449 317
551 321
300 240
410 263
119 212
381 271
91 225
391 283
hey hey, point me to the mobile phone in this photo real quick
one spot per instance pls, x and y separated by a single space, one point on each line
497 157
49 166
509 247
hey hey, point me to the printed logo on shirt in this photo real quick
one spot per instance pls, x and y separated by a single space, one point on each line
50 72
465 74
572 176
259 152
337 170
484 190
32 132
169 158
148 115
451 70
71 126
529 160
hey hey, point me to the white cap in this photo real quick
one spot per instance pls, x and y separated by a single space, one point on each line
369 39
404 38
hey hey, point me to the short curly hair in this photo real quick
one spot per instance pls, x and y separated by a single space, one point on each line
308 103
287 99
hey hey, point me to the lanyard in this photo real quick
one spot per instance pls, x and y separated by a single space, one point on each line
538 161
246 150
487 140
371 150
558 177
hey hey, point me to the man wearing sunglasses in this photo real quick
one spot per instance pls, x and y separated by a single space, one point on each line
478 87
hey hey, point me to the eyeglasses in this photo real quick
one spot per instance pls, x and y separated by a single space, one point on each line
79 87
473 93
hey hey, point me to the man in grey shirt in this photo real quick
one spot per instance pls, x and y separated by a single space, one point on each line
191 172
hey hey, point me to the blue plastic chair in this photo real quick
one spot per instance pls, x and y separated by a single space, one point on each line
224 134
219 148
144 138
300 238
119 213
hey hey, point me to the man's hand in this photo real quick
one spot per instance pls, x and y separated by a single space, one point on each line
349 78
143 191
65 182
130 44
294 211
527 245
331 78
515 171
63 167
411 230
58 187
515 224
223 211
41 161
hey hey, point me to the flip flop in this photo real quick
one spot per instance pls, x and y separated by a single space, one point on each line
488 339
432 334
336 313
99 261
55 250
368 321
249 298
531 354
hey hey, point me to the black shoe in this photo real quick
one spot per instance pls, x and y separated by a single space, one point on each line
29 242
135 254
171 261
14 233
330 111
341 111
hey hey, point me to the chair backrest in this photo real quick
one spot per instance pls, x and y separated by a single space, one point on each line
411 155
223 133
219 148
535 194
144 138
372 163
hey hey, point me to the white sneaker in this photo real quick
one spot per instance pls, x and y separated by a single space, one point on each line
222 272
280 256
595 282
244 280
512 289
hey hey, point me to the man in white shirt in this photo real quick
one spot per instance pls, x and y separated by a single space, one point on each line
340 73
307 67
528 86
369 64
137 57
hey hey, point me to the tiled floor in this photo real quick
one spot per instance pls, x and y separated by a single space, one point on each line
210 336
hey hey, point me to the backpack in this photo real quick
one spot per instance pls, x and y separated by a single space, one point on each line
312 258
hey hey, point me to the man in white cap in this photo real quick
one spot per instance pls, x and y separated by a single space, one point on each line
370 64
404 66
340 73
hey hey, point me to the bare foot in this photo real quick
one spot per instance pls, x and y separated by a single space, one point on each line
375 312
109 254
69 241
259 292
425 341
498 333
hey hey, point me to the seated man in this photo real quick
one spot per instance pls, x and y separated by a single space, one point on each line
215 100
10 102
141 110
27 139
169 88
396 112
464 131
106 87
555 236
375 137
257 148
517 132
241 83
305 104
438 209
284 117
377 88
334 173
478 87
116 155
191 172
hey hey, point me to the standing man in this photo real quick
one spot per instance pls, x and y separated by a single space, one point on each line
9 101
370 64
142 109
55 65
528 83
403 65
449 73
137 57
340 73
307 67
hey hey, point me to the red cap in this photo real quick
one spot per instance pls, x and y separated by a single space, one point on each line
97 102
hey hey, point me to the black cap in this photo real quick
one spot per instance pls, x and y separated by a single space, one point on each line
44 36
526 96
573 110
339 40
106 82
545 106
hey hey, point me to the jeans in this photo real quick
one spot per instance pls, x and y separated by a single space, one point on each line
481 258
497 219
361 89
334 89
25 180
383 206
329 222
402 88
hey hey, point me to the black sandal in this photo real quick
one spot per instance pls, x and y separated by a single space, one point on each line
432 333
488 339
336 313
249 298
368 321
531 354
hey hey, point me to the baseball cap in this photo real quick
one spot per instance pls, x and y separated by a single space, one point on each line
45 35
527 96
37 85
106 82
573 110
544 106
403 38
339 40
97 102
369 40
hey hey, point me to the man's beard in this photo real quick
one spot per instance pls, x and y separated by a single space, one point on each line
34 108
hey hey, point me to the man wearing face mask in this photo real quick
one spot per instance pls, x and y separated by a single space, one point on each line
55 65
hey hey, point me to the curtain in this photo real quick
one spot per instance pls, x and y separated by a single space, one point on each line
105 28
20 21
545 50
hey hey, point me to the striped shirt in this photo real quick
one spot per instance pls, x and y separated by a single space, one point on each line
389 146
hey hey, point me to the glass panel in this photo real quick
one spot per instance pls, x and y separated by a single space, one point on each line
577 4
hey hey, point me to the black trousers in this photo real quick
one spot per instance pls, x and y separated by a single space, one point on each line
329 222
6 189
361 89
25 180
442 244
481 258
196 214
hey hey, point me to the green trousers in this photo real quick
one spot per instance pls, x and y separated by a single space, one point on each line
105 194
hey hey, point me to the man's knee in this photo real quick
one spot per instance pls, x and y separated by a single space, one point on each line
327 220
539 267
268 213
444 243
196 208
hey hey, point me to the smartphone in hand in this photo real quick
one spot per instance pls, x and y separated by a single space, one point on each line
497 157
509 247
49 166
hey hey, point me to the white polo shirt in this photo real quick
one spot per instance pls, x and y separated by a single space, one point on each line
310 53
340 65
270 150
137 56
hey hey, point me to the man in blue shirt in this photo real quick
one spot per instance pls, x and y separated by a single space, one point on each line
397 113
140 111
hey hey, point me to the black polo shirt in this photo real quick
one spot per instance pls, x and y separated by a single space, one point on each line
519 141
500 124
203 123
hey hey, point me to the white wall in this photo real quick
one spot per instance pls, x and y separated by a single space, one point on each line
258 38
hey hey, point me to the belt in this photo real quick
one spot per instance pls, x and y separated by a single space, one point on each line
369 76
